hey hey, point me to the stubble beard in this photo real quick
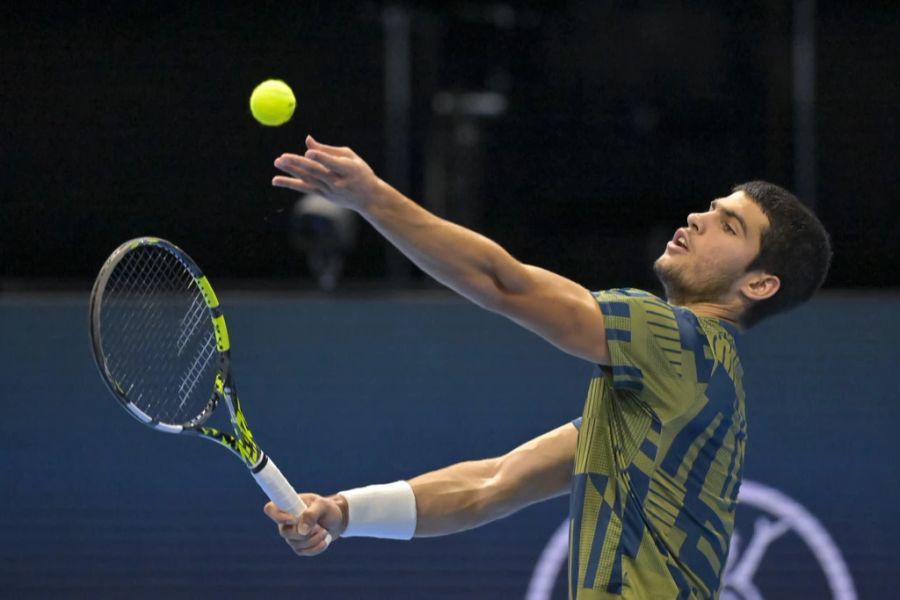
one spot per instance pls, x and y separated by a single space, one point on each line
680 291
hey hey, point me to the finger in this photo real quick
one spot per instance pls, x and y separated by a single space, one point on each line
305 169
296 184
311 143
292 162
304 541
299 531
278 515
293 534
310 519
310 546
313 167
318 548
337 164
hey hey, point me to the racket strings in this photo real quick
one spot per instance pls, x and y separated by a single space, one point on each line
157 338
192 319
194 373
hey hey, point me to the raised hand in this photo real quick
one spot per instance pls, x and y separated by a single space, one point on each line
335 173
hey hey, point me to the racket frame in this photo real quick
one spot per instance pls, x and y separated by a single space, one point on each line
242 444
264 470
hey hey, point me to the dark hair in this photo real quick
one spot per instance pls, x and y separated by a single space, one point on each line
795 247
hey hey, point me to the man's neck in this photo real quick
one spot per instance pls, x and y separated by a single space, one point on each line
714 310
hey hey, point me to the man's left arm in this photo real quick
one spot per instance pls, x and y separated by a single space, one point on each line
554 307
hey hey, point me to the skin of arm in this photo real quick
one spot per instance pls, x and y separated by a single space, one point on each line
453 499
554 307
470 494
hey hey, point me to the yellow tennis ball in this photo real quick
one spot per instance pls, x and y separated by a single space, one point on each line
272 102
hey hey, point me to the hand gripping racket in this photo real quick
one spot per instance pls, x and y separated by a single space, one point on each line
161 345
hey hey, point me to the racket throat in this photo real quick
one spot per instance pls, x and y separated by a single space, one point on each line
259 466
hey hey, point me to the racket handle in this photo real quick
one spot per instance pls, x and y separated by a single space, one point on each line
280 491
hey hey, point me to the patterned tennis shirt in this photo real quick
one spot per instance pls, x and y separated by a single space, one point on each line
660 453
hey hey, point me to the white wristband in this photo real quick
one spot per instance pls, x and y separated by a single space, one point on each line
382 511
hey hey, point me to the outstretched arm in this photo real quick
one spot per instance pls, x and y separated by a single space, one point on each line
453 499
556 308
470 494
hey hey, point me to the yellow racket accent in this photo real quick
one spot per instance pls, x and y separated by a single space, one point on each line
144 240
208 294
244 443
222 342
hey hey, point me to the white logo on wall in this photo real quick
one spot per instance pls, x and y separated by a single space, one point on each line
780 516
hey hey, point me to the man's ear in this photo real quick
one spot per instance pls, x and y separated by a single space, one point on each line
760 285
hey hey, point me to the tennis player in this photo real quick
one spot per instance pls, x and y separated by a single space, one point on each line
653 466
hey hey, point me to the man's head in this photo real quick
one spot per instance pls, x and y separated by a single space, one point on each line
758 248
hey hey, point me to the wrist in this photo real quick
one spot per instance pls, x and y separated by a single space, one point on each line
341 503
383 511
380 199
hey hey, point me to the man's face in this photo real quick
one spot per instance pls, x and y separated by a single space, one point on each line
706 260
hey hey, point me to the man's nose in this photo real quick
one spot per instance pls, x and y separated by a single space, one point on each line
695 221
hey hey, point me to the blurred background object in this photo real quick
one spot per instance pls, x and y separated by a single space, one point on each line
324 233
570 132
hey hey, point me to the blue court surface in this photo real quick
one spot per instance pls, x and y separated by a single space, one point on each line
345 392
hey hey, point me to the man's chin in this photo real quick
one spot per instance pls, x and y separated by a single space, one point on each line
664 270
669 277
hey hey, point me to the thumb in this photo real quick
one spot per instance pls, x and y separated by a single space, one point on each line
310 517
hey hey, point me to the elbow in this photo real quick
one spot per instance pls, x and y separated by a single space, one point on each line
497 298
487 294
494 285
490 301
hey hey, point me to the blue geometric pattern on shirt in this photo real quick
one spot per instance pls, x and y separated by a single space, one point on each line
695 518
576 512
693 340
615 309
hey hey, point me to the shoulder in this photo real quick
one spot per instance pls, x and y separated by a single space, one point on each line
631 303
627 293
630 296
635 310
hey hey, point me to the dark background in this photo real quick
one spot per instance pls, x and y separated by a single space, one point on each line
128 118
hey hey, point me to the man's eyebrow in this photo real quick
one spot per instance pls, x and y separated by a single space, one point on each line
730 214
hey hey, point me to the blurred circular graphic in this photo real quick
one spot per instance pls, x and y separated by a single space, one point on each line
778 517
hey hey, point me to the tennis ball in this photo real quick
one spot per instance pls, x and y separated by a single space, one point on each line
272 102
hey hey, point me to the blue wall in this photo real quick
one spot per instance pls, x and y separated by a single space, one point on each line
347 392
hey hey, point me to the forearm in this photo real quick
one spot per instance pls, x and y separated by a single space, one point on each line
462 496
463 260
470 494
449 500
456 498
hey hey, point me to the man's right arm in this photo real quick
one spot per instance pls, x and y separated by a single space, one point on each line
470 494
456 498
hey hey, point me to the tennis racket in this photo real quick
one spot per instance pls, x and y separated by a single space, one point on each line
162 347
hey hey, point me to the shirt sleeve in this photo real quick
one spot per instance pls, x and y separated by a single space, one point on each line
647 346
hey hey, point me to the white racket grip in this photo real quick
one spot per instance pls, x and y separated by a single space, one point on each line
281 492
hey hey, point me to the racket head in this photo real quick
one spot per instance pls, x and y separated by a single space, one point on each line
158 336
